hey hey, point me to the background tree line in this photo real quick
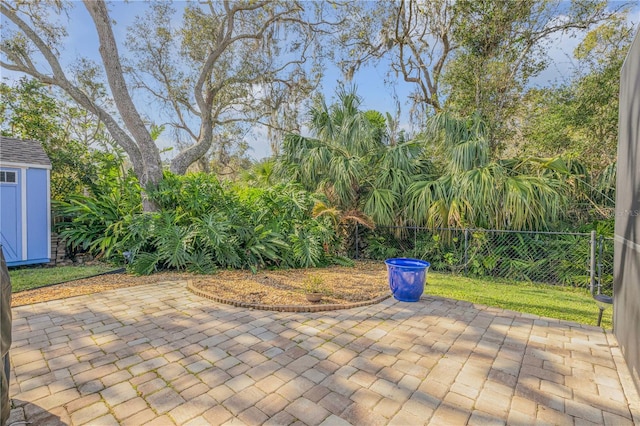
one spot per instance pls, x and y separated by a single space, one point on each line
489 149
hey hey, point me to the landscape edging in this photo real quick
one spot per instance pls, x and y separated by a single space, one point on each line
284 308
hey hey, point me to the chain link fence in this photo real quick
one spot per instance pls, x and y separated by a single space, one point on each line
604 265
560 258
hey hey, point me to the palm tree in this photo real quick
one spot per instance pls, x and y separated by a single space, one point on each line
349 158
260 174
474 191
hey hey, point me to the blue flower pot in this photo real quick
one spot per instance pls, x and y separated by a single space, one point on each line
407 278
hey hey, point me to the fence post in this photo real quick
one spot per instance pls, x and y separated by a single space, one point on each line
600 248
357 253
466 248
592 264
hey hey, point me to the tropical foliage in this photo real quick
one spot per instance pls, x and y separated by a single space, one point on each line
555 258
490 153
203 225
363 172
354 160
477 192
97 222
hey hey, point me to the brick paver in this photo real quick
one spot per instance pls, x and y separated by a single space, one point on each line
159 354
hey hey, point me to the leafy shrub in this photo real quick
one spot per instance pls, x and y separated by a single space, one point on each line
99 223
380 247
537 257
444 251
558 259
202 225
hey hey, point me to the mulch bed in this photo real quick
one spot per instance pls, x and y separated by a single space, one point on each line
341 285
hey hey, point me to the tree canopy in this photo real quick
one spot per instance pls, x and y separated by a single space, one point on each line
68 136
354 159
465 56
228 62
489 149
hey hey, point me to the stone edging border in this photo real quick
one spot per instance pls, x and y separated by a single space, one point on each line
284 308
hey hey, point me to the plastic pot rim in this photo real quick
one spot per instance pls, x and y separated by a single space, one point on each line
416 264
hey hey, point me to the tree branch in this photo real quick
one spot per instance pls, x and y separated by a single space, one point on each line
59 79
109 52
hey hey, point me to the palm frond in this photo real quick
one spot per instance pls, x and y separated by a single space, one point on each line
145 263
321 209
381 205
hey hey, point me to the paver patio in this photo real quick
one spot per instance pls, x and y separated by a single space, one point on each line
159 355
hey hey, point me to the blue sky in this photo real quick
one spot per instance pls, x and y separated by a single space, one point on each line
369 80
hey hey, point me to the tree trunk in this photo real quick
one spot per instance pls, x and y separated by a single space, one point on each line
152 165
192 154
186 157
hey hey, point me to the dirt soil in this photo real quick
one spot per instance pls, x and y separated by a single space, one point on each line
341 285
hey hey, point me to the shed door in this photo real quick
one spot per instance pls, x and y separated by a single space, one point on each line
10 214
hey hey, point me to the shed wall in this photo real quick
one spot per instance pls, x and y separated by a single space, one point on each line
25 216
38 235
11 217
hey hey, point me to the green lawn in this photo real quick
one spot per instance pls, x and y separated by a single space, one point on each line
564 303
30 278
545 300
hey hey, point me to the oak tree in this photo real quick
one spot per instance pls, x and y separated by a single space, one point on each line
224 65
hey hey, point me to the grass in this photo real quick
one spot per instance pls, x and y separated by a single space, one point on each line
30 278
565 303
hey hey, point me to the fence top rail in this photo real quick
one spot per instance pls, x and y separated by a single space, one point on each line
506 231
